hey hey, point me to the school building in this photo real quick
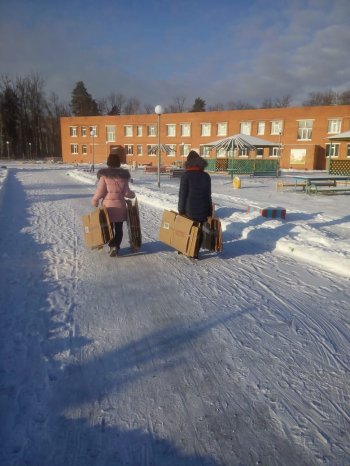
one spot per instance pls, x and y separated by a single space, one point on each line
301 136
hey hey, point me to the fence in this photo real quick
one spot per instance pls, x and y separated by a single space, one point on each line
243 166
339 167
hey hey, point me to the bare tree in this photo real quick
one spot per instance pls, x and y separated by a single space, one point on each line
177 105
344 98
148 109
321 98
102 106
239 105
55 110
267 103
282 102
216 108
132 106
115 103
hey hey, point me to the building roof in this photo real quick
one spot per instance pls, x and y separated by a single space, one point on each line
241 141
341 136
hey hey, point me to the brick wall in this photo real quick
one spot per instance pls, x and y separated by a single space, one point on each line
306 154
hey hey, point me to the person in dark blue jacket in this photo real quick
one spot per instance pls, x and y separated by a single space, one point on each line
195 200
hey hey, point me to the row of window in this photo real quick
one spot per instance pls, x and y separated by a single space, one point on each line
184 149
276 128
331 149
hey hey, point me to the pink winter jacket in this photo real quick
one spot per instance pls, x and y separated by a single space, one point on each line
112 188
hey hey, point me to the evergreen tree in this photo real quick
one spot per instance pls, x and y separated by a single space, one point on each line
199 105
82 103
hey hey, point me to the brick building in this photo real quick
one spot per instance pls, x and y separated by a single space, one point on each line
300 133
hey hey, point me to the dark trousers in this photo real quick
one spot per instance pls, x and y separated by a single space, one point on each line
117 229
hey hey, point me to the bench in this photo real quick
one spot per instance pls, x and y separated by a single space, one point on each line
176 172
328 189
150 169
313 186
280 185
264 173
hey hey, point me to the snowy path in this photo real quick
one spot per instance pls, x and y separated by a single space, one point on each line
150 360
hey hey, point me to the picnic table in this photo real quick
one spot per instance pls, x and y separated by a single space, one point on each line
320 184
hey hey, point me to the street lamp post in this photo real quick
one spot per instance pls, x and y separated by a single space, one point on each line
279 144
8 149
159 110
30 150
92 134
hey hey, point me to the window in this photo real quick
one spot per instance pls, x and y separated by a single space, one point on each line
221 153
259 151
151 130
305 129
274 151
93 131
261 127
74 149
128 132
185 149
139 149
297 157
334 126
84 149
110 133
243 152
139 131
332 150
129 149
73 131
185 129
246 127
172 150
151 150
222 129
83 131
205 151
205 129
171 130
276 127
348 150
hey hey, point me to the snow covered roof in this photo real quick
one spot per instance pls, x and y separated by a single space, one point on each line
241 141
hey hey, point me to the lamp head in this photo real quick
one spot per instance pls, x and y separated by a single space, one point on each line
158 109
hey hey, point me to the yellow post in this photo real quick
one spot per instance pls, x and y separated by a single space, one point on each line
236 182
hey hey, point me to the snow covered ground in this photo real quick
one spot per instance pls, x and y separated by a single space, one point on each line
147 359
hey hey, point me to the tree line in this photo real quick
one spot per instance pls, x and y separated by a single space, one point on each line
30 121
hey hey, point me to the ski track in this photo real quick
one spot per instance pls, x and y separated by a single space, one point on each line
232 360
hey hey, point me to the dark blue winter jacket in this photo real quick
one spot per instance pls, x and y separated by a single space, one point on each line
195 191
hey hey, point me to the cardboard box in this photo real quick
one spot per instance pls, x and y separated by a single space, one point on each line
212 235
179 232
97 228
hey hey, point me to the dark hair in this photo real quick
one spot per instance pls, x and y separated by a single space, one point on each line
120 152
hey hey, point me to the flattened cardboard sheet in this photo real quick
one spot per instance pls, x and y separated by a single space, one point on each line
97 228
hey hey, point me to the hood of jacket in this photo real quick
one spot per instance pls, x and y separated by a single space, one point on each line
197 162
111 172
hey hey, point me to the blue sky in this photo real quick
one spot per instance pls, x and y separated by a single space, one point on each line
155 50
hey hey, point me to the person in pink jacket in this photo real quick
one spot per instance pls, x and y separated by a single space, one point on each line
112 188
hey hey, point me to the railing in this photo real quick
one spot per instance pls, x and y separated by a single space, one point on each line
242 166
217 165
339 167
